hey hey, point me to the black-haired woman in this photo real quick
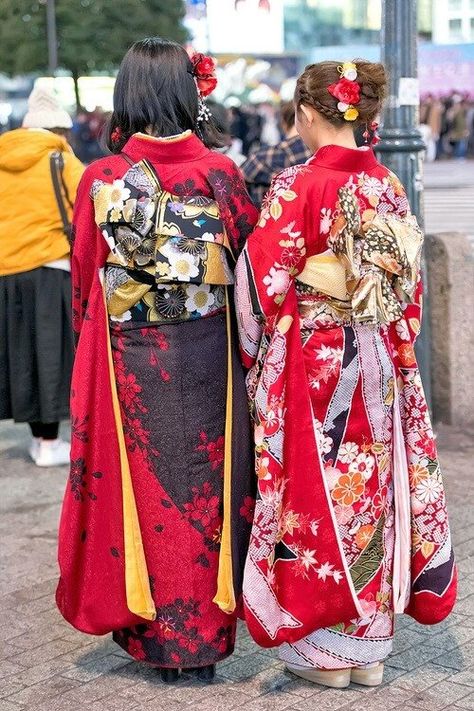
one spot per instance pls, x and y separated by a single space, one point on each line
158 507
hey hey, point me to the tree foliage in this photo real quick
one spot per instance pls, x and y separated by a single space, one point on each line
93 35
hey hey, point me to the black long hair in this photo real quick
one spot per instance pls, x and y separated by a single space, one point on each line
155 91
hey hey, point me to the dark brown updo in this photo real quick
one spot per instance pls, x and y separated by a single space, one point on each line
312 90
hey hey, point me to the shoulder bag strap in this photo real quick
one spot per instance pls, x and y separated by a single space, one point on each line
56 164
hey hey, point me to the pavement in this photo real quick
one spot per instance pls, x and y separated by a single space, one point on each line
45 665
449 196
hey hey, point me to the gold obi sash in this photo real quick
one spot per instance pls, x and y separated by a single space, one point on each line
169 254
369 268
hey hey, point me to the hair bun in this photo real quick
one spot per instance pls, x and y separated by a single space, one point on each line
312 90
372 79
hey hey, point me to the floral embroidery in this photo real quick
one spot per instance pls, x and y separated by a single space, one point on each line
347 452
280 190
128 392
363 464
247 509
278 279
406 353
326 220
78 480
215 450
364 535
428 490
349 489
200 299
332 358
79 428
176 634
204 513
204 507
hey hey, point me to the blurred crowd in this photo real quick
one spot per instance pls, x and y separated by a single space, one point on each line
447 126
87 130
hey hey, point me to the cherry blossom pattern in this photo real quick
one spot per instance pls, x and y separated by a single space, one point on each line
293 250
203 512
214 450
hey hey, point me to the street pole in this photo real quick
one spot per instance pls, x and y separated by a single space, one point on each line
52 37
401 145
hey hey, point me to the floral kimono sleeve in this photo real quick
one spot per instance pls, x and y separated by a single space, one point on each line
236 208
412 309
86 243
273 256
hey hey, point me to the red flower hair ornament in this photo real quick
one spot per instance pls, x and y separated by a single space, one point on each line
204 71
116 134
347 91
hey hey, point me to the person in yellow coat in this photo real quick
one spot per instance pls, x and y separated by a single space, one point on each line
39 175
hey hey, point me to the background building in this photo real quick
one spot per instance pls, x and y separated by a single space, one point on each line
453 21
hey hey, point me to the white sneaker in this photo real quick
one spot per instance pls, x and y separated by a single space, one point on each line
33 449
53 453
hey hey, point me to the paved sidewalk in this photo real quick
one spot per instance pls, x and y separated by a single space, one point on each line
47 666
449 187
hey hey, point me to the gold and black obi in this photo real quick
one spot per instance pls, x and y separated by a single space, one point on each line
368 270
170 259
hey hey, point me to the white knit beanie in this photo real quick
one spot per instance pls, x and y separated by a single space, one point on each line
44 111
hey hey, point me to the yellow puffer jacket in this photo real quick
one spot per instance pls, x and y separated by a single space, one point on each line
31 230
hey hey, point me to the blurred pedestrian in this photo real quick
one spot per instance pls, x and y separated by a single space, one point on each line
231 146
261 166
459 132
161 458
39 175
431 114
350 523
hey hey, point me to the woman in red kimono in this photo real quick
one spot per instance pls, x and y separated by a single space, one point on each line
350 523
157 512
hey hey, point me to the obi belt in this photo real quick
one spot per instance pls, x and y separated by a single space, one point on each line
368 270
169 256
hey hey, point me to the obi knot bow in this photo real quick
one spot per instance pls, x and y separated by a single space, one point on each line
381 258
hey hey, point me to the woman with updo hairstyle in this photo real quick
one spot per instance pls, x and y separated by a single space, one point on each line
158 506
350 523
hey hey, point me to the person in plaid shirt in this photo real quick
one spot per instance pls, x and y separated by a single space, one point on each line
261 166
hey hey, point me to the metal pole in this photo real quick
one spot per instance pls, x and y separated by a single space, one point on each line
401 144
52 36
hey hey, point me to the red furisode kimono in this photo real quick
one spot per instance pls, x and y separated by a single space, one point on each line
158 507
350 522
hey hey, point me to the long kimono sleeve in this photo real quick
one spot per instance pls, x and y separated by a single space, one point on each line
236 208
412 310
86 244
271 259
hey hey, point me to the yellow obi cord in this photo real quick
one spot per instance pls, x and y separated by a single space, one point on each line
225 597
137 584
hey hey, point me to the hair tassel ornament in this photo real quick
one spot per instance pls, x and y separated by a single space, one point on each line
204 73
347 91
371 132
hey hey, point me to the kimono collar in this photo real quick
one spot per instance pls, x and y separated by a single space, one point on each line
347 159
177 149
